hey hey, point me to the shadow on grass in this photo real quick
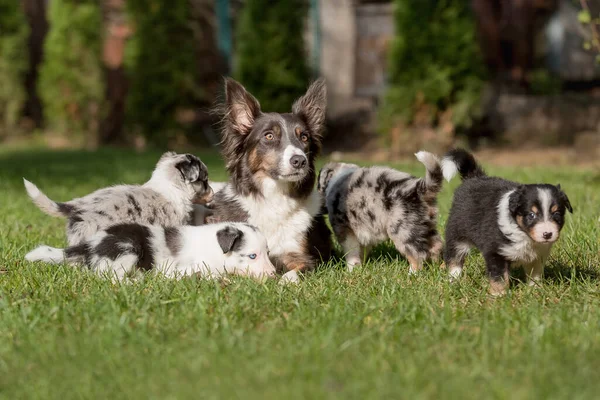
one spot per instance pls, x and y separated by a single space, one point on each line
559 272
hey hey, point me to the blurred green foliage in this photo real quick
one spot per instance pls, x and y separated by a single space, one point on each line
434 64
271 58
71 81
160 64
13 62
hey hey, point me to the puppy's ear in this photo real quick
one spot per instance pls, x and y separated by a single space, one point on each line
563 197
311 107
242 108
323 179
515 199
229 238
192 169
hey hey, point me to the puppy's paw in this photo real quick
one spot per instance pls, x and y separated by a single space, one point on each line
353 262
290 277
498 288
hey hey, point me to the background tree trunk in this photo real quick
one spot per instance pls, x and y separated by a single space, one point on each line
116 32
35 11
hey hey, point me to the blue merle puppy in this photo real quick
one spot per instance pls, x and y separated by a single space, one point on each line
369 205
178 182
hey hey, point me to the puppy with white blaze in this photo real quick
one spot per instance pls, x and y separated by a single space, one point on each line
210 251
511 224
369 205
178 181
270 159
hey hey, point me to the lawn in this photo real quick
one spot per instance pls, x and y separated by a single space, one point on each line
372 333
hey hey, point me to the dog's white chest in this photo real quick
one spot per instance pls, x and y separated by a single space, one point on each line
282 219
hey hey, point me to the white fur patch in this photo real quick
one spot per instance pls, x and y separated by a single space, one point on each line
46 254
290 277
449 168
286 169
32 190
282 219
429 160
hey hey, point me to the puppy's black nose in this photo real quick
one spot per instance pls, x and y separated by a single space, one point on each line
298 162
547 235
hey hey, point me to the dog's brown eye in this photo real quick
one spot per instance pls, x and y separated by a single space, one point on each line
304 137
269 136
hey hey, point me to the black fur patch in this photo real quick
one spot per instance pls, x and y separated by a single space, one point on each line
135 204
79 253
66 208
371 215
467 166
103 214
136 236
192 169
382 182
230 239
358 182
173 240
391 192
74 219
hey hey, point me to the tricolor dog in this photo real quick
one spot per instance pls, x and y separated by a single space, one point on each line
369 205
512 224
210 251
270 159
178 181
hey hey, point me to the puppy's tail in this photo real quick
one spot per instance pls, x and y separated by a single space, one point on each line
47 254
462 162
433 177
52 255
45 204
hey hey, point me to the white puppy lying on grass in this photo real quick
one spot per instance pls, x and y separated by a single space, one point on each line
209 250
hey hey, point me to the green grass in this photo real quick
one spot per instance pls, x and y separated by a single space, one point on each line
373 333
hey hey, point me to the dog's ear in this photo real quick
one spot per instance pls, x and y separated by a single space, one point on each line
515 199
192 169
323 179
563 197
229 238
312 106
241 107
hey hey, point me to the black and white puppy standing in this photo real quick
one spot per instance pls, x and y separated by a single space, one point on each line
210 251
512 224
270 159
369 205
178 181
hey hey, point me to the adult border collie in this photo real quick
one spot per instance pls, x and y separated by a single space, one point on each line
270 159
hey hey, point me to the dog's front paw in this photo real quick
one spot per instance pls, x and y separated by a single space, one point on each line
290 277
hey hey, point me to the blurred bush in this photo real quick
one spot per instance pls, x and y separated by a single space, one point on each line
71 82
161 66
13 63
435 72
270 53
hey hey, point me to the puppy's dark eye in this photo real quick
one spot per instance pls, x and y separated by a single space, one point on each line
556 215
269 136
531 216
252 256
304 137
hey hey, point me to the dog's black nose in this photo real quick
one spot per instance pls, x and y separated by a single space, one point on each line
298 162
547 235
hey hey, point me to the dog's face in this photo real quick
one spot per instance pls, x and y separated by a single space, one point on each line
539 210
272 145
189 171
329 171
246 252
